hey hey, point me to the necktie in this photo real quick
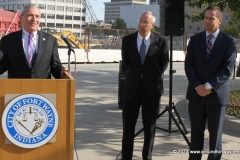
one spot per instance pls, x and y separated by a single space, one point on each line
208 45
30 48
143 50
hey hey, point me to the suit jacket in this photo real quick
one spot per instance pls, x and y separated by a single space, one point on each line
14 59
216 70
152 69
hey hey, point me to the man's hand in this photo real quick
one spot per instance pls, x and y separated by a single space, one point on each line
62 73
202 91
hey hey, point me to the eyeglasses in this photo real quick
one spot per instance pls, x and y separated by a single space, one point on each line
145 23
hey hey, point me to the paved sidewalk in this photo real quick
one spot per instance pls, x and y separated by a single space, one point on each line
98 119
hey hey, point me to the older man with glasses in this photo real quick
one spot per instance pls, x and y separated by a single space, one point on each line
145 57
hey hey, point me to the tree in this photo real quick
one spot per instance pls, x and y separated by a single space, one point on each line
156 29
231 5
230 30
119 24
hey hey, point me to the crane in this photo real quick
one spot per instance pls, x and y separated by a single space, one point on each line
92 16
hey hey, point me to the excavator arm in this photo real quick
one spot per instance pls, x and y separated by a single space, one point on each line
72 38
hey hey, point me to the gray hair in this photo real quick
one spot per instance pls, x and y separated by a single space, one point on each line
28 6
153 19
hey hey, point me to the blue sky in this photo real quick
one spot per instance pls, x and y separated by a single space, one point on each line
99 7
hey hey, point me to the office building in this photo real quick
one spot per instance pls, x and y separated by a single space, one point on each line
154 1
57 14
112 9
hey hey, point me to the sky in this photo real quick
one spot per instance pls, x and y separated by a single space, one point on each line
99 7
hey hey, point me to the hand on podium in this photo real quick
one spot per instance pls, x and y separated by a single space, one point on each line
64 73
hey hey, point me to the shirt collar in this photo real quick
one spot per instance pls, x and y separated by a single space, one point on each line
25 33
215 34
147 37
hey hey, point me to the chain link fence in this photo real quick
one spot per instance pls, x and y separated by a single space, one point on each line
104 38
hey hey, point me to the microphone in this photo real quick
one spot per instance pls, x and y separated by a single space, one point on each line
67 42
1 54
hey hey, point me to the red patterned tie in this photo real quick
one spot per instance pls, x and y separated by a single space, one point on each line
208 45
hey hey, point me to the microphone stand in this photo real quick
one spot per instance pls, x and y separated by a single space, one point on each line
69 54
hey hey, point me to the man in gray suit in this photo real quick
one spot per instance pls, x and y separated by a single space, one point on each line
29 53
145 57
209 63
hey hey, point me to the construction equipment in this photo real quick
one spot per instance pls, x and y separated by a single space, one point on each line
91 15
72 38
9 22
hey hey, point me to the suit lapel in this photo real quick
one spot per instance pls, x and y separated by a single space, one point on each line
202 42
41 47
19 46
149 51
135 49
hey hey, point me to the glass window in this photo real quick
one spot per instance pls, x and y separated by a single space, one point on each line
20 6
76 17
76 25
50 24
69 1
43 15
84 10
59 16
51 7
14 6
69 8
51 16
42 24
42 6
77 34
77 1
68 17
10 7
68 25
60 8
77 9
59 24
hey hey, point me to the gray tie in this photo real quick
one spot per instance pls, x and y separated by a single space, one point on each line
143 50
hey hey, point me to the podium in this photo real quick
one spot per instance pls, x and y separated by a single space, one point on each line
63 146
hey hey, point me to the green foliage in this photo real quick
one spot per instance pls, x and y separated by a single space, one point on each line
233 109
119 24
231 5
230 30
155 29
92 25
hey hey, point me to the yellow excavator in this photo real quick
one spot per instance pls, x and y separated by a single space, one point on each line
72 38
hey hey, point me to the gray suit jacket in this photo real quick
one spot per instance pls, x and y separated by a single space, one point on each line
216 70
14 60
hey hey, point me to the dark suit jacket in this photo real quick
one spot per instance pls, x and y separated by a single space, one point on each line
14 59
155 64
216 70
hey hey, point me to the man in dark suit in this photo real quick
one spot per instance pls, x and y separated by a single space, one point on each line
23 58
209 63
145 57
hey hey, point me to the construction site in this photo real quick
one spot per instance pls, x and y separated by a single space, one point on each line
92 37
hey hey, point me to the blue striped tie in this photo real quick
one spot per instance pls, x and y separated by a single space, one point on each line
143 50
208 45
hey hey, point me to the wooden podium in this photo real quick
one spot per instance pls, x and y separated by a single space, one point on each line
63 147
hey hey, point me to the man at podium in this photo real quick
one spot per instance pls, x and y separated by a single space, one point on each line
29 53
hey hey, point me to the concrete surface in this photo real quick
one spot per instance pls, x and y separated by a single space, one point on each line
98 120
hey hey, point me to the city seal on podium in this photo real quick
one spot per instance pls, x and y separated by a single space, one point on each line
30 120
